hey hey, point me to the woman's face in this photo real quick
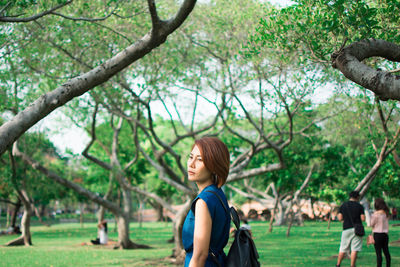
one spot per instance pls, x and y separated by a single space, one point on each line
197 171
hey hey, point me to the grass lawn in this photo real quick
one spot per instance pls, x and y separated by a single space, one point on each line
61 245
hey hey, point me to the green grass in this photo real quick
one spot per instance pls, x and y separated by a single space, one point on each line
312 245
60 245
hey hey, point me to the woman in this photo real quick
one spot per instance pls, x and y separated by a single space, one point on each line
102 238
103 233
206 229
380 228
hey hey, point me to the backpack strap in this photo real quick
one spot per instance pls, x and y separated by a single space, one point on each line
233 212
235 219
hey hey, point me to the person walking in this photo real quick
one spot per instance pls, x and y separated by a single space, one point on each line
351 212
380 230
205 231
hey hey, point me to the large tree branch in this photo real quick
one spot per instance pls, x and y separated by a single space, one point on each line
164 177
21 192
383 83
247 195
85 152
304 184
260 193
44 105
254 172
55 177
8 201
154 196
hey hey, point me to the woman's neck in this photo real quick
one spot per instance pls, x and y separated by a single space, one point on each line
201 186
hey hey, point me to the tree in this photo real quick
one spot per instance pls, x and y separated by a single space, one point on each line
382 82
160 30
318 38
28 186
323 28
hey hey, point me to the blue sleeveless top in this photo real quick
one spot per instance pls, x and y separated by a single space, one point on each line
221 221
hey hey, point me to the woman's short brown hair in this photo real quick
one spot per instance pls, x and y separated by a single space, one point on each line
380 204
215 156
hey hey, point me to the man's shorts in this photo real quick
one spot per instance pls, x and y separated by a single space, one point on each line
350 241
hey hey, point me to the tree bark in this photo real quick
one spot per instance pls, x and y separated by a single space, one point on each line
8 216
81 213
383 83
39 215
178 252
25 238
330 216
271 220
123 234
14 214
291 218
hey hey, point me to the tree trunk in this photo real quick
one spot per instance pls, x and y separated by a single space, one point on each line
14 215
82 210
8 216
271 220
312 208
42 210
366 206
299 218
280 215
123 234
140 211
330 217
291 217
123 220
25 238
179 252
38 214
100 214
159 210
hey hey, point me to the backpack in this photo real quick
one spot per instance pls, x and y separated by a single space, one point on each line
243 252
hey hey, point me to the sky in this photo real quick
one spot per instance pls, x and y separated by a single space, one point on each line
281 3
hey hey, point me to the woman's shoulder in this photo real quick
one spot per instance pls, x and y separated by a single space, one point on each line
209 192
379 213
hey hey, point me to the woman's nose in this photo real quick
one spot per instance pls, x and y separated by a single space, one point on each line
191 162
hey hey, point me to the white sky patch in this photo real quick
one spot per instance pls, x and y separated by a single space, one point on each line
62 132
280 3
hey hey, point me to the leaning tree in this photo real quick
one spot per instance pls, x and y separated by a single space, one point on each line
105 69
48 23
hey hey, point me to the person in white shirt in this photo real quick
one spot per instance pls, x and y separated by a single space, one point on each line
102 234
